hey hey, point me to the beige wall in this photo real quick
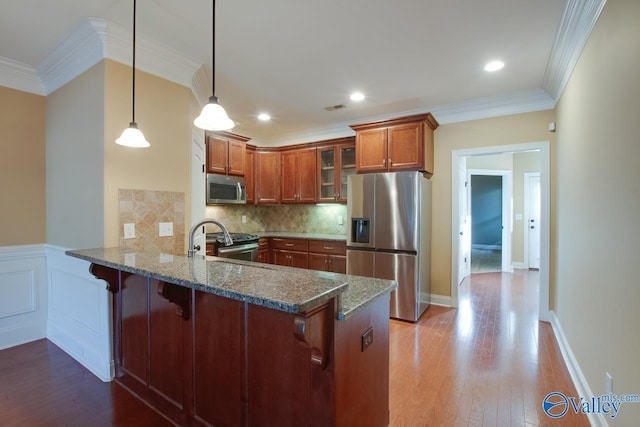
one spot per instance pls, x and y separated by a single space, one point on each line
163 112
507 130
22 168
598 201
75 158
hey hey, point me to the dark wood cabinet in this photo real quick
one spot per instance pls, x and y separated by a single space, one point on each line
395 145
298 176
290 252
263 250
267 177
328 255
249 174
226 154
335 164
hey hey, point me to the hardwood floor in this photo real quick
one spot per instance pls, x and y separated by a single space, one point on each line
488 363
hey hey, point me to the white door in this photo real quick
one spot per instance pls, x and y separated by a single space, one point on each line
464 228
198 177
533 219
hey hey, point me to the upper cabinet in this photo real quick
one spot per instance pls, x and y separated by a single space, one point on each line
226 153
298 176
393 145
266 177
249 174
335 164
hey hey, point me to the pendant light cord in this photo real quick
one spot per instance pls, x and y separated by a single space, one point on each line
133 70
213 50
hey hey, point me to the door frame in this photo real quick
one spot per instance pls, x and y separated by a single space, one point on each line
545 215
527 213
507 211
198 188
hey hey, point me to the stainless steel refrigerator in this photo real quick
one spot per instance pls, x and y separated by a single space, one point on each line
389 236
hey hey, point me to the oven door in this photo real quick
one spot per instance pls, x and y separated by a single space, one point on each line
246 252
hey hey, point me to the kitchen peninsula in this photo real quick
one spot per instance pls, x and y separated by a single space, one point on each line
212 341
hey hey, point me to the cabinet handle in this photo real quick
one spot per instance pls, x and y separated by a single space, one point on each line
289 244
384 162
328 247
390 162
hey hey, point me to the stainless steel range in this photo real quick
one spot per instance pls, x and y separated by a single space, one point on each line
244 247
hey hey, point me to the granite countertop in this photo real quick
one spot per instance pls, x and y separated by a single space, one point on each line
285 234
287 289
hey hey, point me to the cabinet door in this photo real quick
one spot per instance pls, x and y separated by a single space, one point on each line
306 175
299 259
263 256
327 170
236 157
280 257
288 177
371 150
347 166
267 177
318 262
217 154
338 264
249 175
405 147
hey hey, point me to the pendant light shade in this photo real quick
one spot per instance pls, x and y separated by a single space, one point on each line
213 116
132 136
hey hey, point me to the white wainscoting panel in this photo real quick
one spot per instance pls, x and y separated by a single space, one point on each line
23 294
79 318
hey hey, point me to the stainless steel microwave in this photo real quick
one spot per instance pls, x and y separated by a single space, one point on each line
225 189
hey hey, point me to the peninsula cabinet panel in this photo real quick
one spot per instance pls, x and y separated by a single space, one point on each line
217 358
400 144
267 177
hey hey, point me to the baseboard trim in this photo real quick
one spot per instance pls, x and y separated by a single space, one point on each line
519 266
578 378
442 300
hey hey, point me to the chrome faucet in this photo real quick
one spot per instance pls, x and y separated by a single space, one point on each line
193 249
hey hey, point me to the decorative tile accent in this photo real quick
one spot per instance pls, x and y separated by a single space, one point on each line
146 209
314 219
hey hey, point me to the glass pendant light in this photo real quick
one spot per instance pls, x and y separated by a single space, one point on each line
213 116
132 136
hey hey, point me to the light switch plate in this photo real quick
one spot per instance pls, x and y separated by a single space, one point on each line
129 231
165 229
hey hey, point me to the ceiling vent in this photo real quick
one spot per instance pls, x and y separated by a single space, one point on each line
335 107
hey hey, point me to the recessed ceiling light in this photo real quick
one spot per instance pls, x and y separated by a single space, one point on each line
494 66
264 117
357 96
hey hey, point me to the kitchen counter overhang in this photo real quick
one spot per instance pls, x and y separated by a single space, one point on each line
287 289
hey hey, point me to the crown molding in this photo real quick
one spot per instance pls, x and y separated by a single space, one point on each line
575 27
19 76
481 108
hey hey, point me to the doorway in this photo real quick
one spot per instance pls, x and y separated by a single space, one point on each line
458 241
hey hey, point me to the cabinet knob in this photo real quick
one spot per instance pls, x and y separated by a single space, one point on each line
384 162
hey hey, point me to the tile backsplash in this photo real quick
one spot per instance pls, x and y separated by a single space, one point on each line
316 219
146 209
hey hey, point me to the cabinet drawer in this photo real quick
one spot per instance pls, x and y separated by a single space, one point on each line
289 244
336 247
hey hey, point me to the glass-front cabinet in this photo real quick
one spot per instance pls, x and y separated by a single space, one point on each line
335 164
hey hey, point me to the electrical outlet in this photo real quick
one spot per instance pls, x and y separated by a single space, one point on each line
165 229
244 219
608 383
367 338
340 220
129 231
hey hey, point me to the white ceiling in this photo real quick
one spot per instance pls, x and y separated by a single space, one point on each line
293 58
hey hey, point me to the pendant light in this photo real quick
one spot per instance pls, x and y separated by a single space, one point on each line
213 116
132 136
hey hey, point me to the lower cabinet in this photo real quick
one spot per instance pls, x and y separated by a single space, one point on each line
313 254
290 252
328 255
